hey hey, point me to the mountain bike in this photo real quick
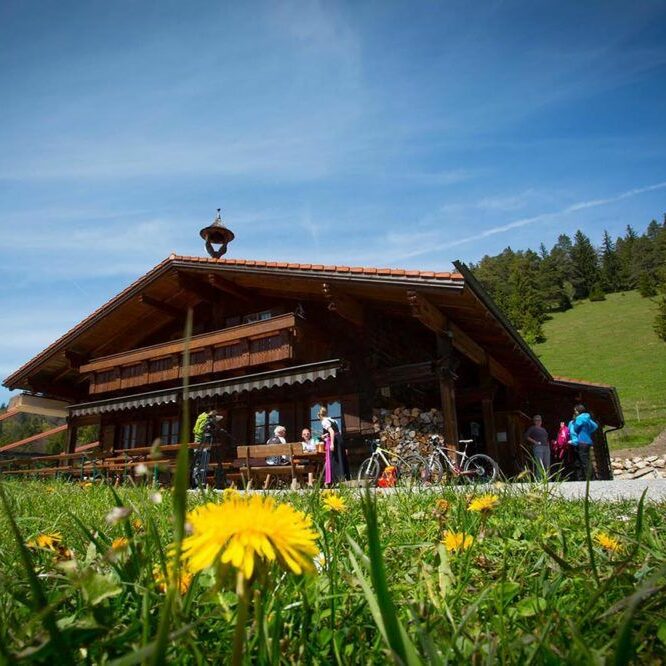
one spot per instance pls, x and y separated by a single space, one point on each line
478 468
411 467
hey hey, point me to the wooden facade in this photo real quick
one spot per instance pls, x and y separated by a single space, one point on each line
273 341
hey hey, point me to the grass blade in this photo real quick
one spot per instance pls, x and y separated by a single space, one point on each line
40 601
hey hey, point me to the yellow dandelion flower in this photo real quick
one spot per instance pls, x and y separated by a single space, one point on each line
162 582
47 541
119 543
228 493
608 542
86 484
457 541
243 530
484 503
442 505
334 503
137 524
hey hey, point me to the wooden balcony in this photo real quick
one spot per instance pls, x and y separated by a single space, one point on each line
272 340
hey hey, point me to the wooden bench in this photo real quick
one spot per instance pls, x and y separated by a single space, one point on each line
253 467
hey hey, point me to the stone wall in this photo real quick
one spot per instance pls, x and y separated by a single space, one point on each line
647 467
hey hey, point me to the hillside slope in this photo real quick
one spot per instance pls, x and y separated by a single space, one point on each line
612 341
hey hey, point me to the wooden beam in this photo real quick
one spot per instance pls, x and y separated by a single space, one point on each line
464 344
75 359
343 305
231 288
167 308
499 372
436 321
200 289
426 312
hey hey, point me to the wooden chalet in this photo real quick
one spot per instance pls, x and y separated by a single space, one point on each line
272 341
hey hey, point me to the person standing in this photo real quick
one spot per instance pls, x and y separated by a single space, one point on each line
582 427
537 436
339 465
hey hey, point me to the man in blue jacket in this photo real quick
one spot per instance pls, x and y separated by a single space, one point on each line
581 429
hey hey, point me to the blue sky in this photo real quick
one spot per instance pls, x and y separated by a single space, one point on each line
380 133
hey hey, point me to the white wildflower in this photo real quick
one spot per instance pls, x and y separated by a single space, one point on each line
117 514
141 470
156 497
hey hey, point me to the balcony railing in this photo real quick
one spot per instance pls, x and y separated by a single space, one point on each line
278 339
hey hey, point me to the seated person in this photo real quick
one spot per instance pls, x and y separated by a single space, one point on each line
309 443
279 437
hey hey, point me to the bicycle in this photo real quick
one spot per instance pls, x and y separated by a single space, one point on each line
478 468
412 466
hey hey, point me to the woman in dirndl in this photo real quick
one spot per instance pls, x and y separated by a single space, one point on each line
336 456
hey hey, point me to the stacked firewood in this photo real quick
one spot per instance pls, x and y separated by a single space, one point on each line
408 430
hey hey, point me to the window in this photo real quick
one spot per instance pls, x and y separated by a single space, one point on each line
258 316
169 431
334 412
128 435
265 421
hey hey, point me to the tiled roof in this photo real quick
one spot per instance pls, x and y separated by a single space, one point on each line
245 264
323 268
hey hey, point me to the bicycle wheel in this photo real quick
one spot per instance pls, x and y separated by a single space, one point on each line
484 467
369 471
436 473
412 469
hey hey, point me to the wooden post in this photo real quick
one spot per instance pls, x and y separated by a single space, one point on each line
448 396
489 428
445 367
71 436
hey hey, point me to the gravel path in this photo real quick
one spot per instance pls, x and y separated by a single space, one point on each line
613 490
607 491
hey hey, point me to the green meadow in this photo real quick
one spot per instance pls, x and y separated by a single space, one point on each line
613 342
405 578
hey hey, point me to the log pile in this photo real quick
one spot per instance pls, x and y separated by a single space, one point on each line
408 430
647 467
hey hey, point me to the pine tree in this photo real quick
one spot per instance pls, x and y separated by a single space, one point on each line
597 292
610 265
585 265
647 286
660 319
626 251
526 306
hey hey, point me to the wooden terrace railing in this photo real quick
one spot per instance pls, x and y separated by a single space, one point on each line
231 348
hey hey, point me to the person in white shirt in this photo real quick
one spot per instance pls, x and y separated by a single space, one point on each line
309 444
279 437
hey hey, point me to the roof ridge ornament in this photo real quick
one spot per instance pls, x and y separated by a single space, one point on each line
217 234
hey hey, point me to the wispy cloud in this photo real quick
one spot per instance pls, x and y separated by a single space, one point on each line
522 222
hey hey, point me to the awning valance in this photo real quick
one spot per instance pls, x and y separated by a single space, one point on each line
299 374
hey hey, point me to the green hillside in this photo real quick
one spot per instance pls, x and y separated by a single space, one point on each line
612 341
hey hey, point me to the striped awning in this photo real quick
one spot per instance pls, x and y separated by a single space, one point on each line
299 374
